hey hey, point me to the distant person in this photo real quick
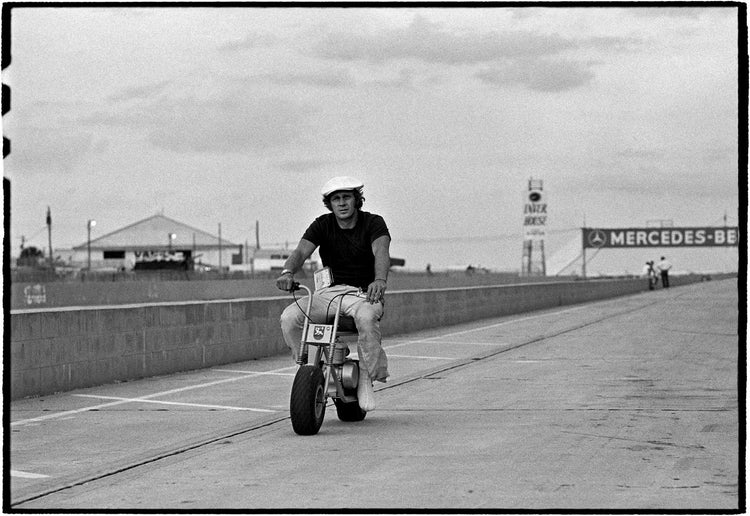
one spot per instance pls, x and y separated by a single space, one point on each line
650 272
429 269
354 245
664 267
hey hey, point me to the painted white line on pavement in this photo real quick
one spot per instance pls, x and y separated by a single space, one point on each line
257 373
23 474
487 327
161 402
422 357
450 343
149 396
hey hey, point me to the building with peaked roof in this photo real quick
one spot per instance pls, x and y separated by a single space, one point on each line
158 242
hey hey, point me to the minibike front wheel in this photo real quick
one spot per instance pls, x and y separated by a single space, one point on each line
308 400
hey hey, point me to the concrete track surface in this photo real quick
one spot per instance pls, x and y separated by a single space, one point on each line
630 403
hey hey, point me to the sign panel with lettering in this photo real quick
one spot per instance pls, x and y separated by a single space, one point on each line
661 237
534 215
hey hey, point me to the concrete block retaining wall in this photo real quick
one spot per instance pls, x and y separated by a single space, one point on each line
61 349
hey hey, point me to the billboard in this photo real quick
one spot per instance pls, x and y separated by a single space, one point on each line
661 237
534 212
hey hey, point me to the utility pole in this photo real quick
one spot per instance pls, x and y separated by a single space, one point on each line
257 234
49 235
583 248
89 224
219 247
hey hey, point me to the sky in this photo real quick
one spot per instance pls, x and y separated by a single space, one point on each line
235 115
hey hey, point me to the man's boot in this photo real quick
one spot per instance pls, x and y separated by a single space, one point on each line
365 392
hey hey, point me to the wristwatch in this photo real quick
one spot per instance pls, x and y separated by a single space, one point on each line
287 271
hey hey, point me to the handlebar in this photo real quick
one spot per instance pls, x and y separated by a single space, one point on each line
296 285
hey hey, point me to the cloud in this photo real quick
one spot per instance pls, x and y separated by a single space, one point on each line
405 79
538 61
324 79
428 42
666 12
144 92
251 41
50 150
228 123
232 124
539 75
302 165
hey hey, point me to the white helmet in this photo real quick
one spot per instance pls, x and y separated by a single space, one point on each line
341 183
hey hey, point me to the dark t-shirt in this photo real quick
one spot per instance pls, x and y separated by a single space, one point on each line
348 252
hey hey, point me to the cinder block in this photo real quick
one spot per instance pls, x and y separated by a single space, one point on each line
151 317
55 379
81 375
236 311
133 367
225 332
212 312
50 324
185 359
69 323
134 318
24 382
133 343
26 326
194 314
174 315
63 350
103 346
171 338
91 322
153 340
157 364
209 334
195 335
38 353
213 354
82 348
104 371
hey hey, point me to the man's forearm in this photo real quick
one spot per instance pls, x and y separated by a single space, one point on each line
294 262
382 265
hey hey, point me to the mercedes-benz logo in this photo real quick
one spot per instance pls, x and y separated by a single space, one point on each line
597 238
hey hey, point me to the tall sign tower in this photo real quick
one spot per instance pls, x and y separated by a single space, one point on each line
534 224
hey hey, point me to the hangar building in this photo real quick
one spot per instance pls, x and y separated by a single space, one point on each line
158 242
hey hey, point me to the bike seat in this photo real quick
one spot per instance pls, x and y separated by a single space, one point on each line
346 325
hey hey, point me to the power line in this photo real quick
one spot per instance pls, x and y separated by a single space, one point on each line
474 238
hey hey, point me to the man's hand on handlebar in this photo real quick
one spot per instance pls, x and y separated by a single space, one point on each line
286 282
376 291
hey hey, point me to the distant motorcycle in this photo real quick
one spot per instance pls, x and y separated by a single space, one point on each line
331 375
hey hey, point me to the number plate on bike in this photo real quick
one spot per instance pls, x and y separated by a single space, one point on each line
319 333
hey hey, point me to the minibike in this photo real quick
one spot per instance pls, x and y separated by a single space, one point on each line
332 374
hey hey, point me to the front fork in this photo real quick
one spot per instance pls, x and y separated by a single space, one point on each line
334 352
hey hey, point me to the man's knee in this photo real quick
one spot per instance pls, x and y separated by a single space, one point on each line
367 316
290 317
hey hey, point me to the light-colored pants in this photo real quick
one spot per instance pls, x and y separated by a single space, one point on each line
366 317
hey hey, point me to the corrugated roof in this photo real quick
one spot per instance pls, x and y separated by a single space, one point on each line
153 233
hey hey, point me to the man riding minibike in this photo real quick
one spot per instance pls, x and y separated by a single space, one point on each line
354 248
